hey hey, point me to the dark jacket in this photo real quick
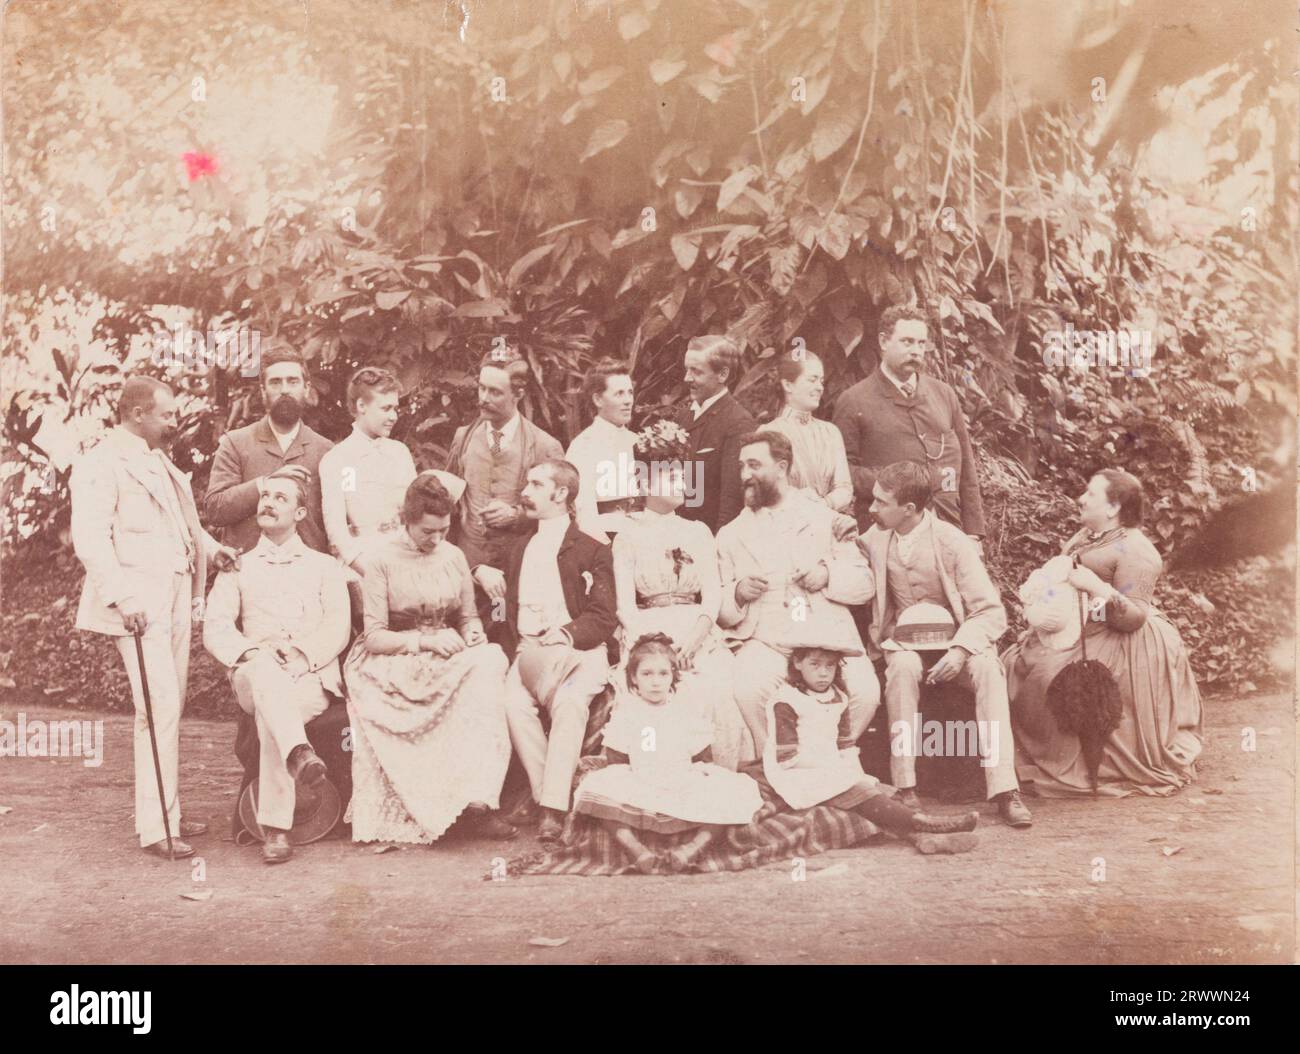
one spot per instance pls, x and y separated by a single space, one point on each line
880 426
715 448
242 456
590 601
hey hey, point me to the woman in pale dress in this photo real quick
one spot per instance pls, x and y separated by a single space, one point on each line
821 465
425 689
661 779
1160 735
666 581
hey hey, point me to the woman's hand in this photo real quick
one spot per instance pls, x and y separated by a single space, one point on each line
473 635
686 651
443 642
1087 581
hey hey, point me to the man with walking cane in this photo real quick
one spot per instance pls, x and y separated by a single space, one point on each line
136 530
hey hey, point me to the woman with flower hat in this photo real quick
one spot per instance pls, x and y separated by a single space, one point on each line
666 579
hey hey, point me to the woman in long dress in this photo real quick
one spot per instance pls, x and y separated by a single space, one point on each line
821 465
425 689
666 581
1160 736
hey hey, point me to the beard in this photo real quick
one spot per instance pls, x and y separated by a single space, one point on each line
760 494
286 411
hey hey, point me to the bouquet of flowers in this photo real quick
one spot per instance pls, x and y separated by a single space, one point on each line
663 441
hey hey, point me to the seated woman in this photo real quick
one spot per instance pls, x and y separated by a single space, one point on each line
666 581
821 465
660 778
1160 735
425 690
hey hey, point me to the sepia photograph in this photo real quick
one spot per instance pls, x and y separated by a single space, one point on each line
650 482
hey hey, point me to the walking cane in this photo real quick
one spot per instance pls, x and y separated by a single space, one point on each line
153 742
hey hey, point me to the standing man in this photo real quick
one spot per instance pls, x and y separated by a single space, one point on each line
716 423
246 456
919 559
604 452
901 414
560 613
493 455
789 563
280 623
136 530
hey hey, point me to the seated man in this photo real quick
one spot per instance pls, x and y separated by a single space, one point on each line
789 563
560 613
280 623
920 559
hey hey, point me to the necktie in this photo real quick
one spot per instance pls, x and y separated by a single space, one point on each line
496 441
909 387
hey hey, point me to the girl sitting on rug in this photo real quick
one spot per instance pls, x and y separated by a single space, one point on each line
660 778
811 758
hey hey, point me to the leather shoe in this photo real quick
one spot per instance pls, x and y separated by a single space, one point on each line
907 796
180 850
1012 809
525 814
923 823
490 825
552 826
276 849
192 828
305 765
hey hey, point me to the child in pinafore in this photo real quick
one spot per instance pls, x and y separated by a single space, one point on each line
810 758
661 779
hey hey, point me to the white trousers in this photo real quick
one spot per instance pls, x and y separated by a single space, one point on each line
982 675
166 645
760 669
281 706
551 762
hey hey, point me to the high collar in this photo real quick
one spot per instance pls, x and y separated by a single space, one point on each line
897 383
267 550
919 530
131 443
359 436
790 413
508 430
612 432
700 409
554 528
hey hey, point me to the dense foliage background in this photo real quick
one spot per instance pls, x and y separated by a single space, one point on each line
407 184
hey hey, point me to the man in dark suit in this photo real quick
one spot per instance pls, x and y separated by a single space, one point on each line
280 440
716 423
901 414
560 615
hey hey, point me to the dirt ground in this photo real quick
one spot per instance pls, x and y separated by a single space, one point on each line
1205 877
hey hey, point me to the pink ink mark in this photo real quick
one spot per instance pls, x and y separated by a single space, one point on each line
198 165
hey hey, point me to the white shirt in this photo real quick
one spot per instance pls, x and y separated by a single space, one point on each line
698 408
605 456
541 595
363 480
914 381
508 431
286 440
907 542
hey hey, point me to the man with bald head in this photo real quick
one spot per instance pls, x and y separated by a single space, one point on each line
136 530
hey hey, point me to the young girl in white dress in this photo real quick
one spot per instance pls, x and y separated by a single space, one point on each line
660 779
811 758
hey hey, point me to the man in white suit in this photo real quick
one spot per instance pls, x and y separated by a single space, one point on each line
280 623
136 530
789 563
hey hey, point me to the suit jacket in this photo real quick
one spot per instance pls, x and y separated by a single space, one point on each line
538 446
823 534
880 426
118 515
304 601
972 597
715 449
587 577
242 456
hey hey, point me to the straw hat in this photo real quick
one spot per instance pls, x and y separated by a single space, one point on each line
315 812
1052 604
922 627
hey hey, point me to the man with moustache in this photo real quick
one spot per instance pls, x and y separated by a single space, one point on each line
279 624
789 563
136 529
899 413
716 422
560 614
919 559
493 455
280 440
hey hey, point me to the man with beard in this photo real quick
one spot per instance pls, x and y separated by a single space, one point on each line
785 560
899 413
493 455
136 529
279 624
280 440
